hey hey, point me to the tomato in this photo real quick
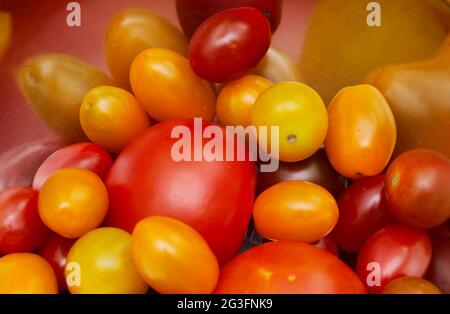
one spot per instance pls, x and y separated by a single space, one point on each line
393 252
300 114
26 273
188 267
410 285
213 197
130 32
82 155
439 272
191 13
316 169
328 244
105 263
362 132
418 188
5 32
54 250
111 117
21 228
73 202
276 66
229 44
167 88
295 210
363 210
236 99
287 267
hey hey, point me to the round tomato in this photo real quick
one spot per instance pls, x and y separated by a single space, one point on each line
73 202
439 270
229 44
393 252
167 88
418 188
299 113
328 244
410 285
287 267
362 132
189 266
21 228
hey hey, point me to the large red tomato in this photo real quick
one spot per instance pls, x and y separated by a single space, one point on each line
213 197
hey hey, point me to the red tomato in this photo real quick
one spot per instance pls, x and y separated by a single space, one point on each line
229 44
362 211
439 270
88 156
213 197
392 252
21 228
287 267
328 244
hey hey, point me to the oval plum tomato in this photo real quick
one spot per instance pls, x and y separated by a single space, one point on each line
229 44
26 273
296 211
410 285
189 266
191 13
88 156
439 271
105 263
418 188
21 228
328 244
73 202
287 267
363 211
299 113
362 132
167 88
393 252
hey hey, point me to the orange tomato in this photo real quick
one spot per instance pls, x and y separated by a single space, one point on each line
410 285
235 101
111 117
72 202
295 210
26 273
167 88
361 133
173 258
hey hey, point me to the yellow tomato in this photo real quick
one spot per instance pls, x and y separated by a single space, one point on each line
103 257
410 285
174 258
72 202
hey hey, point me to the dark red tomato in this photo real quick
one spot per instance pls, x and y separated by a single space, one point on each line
54 250
229 44
316 169
88 156
21 228
418 188
328 244
213 197
362 211
392 252
191 13
439 270
287 267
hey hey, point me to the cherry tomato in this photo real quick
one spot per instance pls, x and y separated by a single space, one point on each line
277 66
393 252
82 155
167 88
300 114
410 285
189 266
287 267
26 273
21 228
363 210
362 132
439 271
328 244
73 202
418 188
229 44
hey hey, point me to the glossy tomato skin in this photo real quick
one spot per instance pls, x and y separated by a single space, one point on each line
88 156
213 197
229 44
439 270
287 267
399 251
21 228
363 210
418 188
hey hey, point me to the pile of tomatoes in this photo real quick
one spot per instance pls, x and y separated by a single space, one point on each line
118 214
